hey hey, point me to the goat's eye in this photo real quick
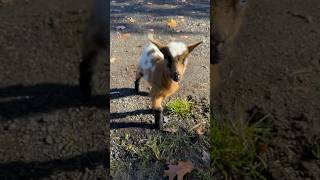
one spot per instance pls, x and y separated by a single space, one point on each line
243 3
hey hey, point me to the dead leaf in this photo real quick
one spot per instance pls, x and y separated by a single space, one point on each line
179 170
200 130
124 36
172 23
112 60
262 148
171 130
131 20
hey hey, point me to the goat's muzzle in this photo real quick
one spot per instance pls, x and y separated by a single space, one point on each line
176 77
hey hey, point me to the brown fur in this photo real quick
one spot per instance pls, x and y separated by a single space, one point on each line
161 79
226 20
95 41
161 82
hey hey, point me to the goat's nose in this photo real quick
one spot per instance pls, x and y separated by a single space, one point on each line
176 76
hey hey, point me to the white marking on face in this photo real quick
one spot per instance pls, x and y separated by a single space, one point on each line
177 48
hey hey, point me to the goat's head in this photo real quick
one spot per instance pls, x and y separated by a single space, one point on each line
226 18
175 55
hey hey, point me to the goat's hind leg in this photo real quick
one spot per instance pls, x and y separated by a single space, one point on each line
137 81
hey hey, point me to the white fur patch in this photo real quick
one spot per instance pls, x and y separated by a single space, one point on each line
177 48
146 60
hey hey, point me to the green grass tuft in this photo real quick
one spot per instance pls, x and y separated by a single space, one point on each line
234 149
180 107
316 151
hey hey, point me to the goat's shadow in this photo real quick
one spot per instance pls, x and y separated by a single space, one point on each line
21 101
117 93
39 170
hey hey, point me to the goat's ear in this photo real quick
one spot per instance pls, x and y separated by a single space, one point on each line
192 46
157 43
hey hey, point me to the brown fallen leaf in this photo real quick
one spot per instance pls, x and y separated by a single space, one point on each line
262 148
170 130
200 130
124 36
131 20
172 23
112 60
179 170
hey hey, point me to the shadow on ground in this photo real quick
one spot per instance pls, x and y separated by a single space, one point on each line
19 101
193 9
39 170
118 93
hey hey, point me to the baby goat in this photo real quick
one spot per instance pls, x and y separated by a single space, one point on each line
95 40
227 17
163 67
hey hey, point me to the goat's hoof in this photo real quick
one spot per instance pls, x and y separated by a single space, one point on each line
158 115
137 91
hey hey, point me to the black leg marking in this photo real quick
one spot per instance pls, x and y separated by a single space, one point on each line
87 68
158 116
136 85
137 82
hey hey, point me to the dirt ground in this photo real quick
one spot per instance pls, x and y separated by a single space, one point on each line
275 68
46 131
131 120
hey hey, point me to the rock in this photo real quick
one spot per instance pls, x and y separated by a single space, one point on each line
165 119
48 140
12 126
50 128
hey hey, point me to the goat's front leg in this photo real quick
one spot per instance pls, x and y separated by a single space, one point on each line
137 81
87 68
157 110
